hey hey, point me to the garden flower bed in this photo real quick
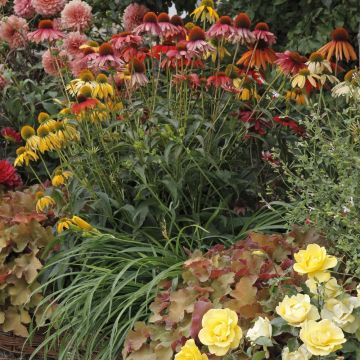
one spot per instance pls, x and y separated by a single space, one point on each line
178 187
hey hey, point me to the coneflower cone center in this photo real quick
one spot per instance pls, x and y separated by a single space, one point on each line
163 18
242 21
316 57
86 75
45 24
106 49
225 20
137 66
196 33
340 34
150 17
262 26
177 20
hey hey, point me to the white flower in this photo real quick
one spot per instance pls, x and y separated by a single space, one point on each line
300 354
261 328
341 313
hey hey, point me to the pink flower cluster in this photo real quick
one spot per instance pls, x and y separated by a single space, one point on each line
13 30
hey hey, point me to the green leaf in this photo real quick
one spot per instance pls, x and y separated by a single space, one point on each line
259 355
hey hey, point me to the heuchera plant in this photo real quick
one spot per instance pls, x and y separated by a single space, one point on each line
250 278
22 240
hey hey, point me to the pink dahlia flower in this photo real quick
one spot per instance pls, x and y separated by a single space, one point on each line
149 26
133 16
13 30
8 175
48 7
223 29
53 62
23 8
72 43
45 32
76 15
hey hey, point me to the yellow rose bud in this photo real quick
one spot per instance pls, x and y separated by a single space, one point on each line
341 312
300 354
314 262
220 331
190 351
297 309
321 338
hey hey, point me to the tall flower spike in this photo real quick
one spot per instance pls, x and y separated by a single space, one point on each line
339 46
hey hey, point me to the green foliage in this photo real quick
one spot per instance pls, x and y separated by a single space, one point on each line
300 25
323 177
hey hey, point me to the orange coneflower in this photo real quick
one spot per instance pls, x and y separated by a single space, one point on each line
85 101
339 46
259 56
297 95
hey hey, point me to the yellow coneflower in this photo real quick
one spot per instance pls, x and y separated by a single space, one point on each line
28 134
339 46
44 202
60 177
90 44
114 106
66 131
86 77
245 88
48 141
304 75
24 156
205 12
81 223
317 64
63 224
296 95
102 89
43 116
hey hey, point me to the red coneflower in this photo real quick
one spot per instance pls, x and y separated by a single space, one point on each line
8 175
255 122
134 51
220 79
105 58
222 29
85 101
290 123
124 39
181 56
167 28
262 32
242 33
163 48
11 135
45 32
150 25
260 56
339 46
197 41
290 62
137 69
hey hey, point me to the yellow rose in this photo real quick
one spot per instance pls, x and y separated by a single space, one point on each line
314 261
297 309
220 331
331 288
321 338
261 328
300 354
190 351
341 313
